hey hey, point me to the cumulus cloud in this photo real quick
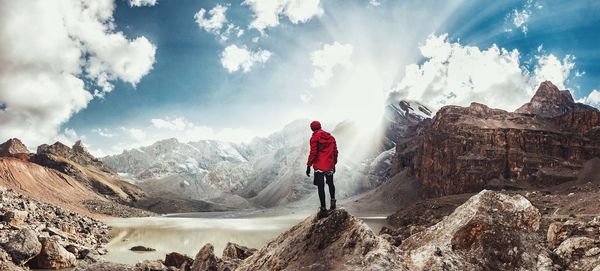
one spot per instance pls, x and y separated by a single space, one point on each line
326 59
141 3
268 12
214 21
43 62
135 133
457 74
375 3
103 132
234 58
592 99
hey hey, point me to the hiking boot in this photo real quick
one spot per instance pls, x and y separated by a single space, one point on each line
332 207
322 212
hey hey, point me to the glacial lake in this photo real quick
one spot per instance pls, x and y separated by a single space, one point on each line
187 233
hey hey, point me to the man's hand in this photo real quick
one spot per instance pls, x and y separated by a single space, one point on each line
308 171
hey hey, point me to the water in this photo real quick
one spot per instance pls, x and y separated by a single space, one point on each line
191 232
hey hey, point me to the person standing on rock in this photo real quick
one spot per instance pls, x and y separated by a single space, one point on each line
323 157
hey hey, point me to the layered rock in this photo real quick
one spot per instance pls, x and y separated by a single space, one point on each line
336 242
464 148
576 244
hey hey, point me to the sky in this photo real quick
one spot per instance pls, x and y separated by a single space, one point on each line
120 74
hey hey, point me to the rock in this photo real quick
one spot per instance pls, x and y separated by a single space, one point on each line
23 246
142 248
464 149
12 148
53 256
336 242
15 217
549 101
180 261
579 253
491 231
148 265
236 251
206 260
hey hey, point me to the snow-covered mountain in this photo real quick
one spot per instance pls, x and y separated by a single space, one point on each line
267 171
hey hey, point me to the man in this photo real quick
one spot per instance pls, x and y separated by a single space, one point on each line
323 157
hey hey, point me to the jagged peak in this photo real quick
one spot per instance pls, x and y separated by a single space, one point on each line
13 146
549 101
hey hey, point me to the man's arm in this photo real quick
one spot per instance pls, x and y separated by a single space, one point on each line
312 155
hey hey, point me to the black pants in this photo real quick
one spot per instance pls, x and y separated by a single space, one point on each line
320 183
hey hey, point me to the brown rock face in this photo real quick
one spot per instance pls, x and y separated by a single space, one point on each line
466 147
235 251
23 246
177 260
13 148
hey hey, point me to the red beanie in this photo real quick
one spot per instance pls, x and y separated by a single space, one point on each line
315 125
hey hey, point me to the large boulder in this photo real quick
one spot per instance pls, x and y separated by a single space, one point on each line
491 231
23 246
53 255
15 217
336 242
178 260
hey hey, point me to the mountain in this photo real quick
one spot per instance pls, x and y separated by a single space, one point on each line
464 149
67 177
549 101
266 172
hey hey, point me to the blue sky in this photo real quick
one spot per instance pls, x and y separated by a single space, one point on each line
330 60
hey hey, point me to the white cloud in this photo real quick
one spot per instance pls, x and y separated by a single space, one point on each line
519 18
592 99
457 74
43 60
549 67
177 124
267 12
141 3
103 132
214 21
375 3
326 59
234 58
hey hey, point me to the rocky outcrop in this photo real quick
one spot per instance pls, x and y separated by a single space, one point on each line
22 246
179 261
206 260
14 148
491 231
235 251
336 242
464 148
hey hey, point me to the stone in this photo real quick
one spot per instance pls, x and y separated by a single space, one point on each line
178 260
206 260
142 248
53 256
236 251
148 265
15 217
23 246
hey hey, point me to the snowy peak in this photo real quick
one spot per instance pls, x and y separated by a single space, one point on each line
414 109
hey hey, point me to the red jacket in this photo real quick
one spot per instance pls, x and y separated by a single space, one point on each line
323 151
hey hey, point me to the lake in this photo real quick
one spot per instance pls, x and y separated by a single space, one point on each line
187 233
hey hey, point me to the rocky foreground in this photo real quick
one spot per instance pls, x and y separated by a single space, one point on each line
42 236
490 231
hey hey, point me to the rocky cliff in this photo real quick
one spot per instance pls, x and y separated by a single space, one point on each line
464 148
